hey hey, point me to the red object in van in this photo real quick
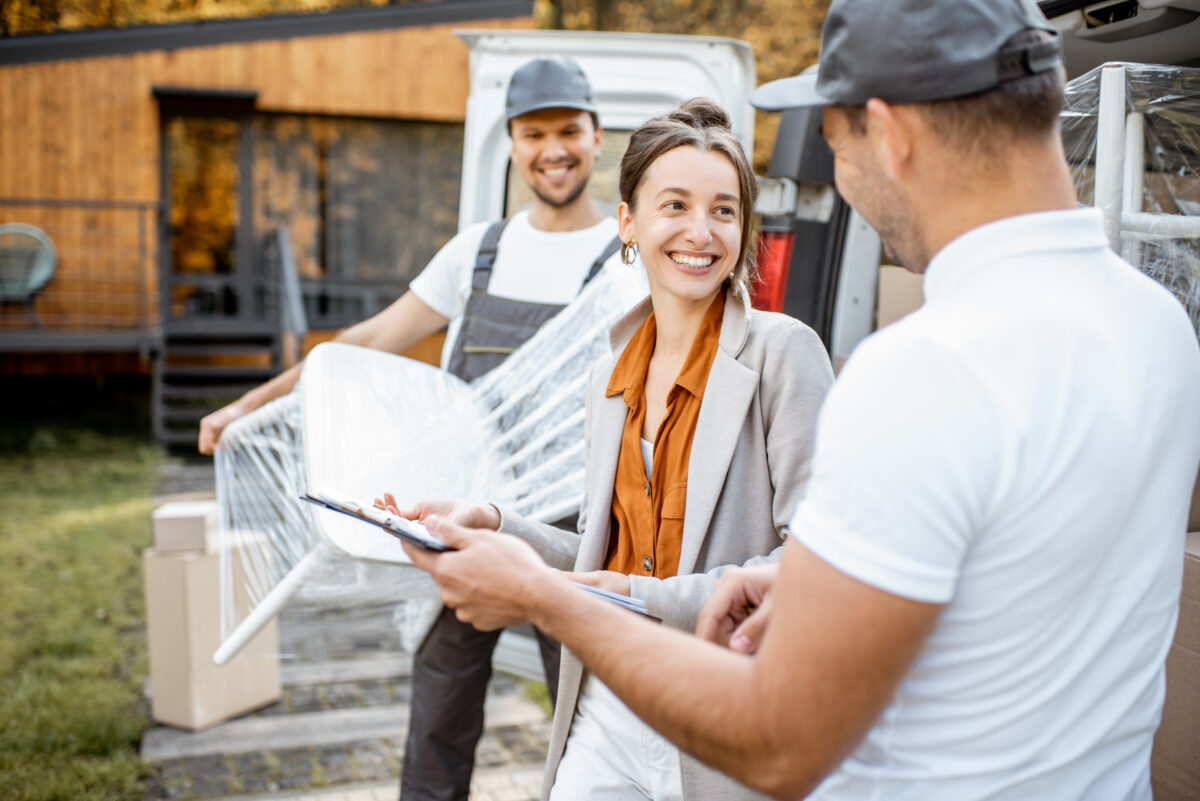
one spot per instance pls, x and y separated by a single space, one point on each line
774 259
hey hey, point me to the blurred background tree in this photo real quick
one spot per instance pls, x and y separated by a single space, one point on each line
44 16
784 34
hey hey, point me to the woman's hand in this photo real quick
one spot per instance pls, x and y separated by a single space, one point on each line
463 513
602 580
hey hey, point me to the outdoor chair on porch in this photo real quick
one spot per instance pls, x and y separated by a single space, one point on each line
27 262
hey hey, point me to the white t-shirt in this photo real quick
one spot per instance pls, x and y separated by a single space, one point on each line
531 265
1021 449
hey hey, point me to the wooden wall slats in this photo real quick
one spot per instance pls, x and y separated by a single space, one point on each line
100 111
89 129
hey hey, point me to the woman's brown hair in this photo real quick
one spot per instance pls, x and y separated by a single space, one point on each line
702 124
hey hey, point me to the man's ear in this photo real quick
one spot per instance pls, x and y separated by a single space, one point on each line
599 141
892 135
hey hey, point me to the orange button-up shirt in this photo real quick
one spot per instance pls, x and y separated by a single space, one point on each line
648 514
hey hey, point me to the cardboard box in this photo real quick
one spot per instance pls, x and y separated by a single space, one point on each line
1175 766
184 629
900 292
185 526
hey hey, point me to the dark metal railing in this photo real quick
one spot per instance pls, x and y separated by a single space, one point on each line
100 295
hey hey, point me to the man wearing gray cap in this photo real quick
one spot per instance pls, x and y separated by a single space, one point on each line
982 580
495 284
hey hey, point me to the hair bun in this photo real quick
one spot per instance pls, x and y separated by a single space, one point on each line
701 112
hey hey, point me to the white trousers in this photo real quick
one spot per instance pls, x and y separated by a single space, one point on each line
612 755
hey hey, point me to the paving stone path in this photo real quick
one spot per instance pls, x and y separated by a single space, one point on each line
327 731
337 733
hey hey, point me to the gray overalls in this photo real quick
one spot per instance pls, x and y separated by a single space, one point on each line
452 667
493 327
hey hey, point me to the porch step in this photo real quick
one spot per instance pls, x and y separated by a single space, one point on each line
198 373
211 348
217 374
181 393
211 356
179 437
190 414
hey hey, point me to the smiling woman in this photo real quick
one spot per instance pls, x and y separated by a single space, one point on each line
700 433
686 224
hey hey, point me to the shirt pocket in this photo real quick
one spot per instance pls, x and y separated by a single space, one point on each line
675 501
670 531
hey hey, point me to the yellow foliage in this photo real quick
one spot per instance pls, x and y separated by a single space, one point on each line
785 35
45 16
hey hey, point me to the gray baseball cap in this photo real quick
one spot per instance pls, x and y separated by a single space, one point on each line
552 82
914 51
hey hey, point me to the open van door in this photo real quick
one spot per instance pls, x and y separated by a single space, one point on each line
635 76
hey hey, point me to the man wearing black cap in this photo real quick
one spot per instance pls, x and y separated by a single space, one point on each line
494 284
983 577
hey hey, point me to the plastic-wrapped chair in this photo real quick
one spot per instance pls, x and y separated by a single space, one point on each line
364 422
1132 135
27 263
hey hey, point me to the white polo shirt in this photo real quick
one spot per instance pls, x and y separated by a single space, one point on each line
1021 449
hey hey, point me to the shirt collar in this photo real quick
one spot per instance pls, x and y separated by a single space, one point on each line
694 374
1013 237
630 369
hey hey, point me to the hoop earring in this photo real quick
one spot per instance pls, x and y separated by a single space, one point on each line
628 252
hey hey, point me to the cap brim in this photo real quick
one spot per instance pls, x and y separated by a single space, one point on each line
512 115
795 92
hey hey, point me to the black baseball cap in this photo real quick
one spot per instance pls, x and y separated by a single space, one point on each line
551 82
915 51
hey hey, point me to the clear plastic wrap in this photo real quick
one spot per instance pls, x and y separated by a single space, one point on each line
1132 136
364 422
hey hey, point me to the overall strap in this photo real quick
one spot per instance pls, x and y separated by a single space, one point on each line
609 249
486 257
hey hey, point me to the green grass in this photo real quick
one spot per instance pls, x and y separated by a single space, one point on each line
539 693
76 475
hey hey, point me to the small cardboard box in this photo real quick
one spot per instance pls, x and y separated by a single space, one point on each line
185 526
1175 767
900 292
184 629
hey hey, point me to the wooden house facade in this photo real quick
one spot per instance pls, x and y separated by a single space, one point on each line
161 160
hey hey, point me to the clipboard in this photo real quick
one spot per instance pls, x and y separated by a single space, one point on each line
413 532
402 528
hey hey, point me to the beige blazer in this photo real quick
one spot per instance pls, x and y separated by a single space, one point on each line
748 467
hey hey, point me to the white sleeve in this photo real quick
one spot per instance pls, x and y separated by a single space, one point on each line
907 454
629 280
445 283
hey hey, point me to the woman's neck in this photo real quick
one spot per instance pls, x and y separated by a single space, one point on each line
676 322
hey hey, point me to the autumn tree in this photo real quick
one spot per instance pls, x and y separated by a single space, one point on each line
785 35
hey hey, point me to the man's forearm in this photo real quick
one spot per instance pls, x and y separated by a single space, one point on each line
778 721
277 387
